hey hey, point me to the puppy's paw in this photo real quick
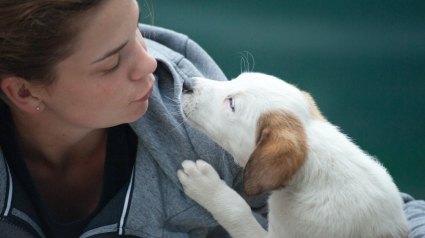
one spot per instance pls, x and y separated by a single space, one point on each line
200 181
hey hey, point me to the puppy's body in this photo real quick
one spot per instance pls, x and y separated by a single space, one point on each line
323 184
339 192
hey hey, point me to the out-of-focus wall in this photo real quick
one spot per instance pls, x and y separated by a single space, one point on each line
363 62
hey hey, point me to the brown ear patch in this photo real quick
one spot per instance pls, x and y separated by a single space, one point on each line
280 152
314 110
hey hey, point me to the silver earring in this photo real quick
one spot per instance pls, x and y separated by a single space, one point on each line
37 108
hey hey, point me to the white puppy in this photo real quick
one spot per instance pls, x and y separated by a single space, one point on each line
322 184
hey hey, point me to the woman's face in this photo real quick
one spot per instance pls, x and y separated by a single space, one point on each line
108 78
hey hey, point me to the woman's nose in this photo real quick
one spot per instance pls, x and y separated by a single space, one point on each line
144 63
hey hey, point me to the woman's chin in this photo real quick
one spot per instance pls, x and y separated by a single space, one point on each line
139 112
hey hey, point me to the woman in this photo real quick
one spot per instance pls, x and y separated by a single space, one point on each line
81 156
76 76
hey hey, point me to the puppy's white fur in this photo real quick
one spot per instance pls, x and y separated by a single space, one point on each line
323 184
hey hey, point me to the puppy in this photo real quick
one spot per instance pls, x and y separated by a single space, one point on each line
322 184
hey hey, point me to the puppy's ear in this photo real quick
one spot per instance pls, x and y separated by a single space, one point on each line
280 152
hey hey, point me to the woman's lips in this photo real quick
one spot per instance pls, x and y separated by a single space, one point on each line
146 97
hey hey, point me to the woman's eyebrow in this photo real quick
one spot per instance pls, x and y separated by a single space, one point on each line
111 52
117 49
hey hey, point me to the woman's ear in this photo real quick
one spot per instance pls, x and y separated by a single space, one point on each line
21 93
280 152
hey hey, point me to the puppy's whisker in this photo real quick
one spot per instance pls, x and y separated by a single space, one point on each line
184 120
242 64
175 110
178 85
245 62
253 61
173 106
175 113
173 100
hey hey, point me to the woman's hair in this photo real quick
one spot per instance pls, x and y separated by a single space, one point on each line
35 35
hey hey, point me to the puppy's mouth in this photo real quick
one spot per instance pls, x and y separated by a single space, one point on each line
186 112
187 117
186 101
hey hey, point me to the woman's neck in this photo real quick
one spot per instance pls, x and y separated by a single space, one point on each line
55 144
66 164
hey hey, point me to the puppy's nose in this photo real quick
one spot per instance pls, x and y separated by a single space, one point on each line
188 86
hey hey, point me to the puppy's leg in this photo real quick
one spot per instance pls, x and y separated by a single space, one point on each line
202 183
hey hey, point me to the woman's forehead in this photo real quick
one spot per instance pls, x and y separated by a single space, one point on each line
107 28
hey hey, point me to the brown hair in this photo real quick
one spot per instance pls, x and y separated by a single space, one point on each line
35 35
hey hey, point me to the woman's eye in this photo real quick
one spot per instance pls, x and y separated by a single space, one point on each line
232 104
115 67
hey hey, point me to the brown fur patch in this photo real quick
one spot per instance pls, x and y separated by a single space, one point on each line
314 110
280 152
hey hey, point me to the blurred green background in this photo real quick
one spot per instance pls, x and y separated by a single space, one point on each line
363 61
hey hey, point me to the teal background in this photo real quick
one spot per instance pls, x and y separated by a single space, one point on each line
363 61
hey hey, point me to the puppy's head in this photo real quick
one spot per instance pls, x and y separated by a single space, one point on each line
257 118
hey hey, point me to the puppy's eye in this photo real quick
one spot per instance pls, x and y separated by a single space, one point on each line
232 104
